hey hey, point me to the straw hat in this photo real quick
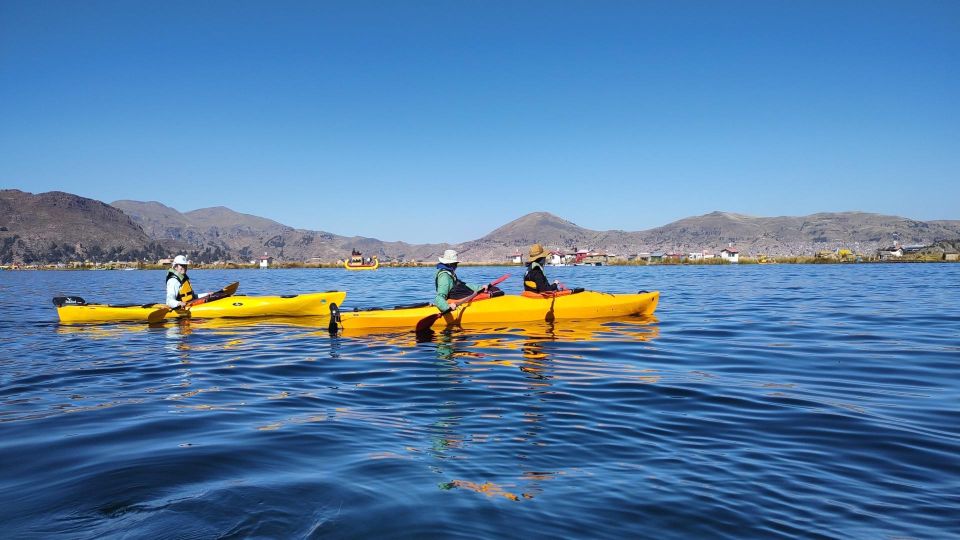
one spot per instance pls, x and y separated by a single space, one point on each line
449 257
536 251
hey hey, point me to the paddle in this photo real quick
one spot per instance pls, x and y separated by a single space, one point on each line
160 313
229 290
426 322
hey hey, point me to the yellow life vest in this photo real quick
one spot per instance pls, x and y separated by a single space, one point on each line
185 293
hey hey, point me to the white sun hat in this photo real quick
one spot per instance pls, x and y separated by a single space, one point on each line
449 257
180 259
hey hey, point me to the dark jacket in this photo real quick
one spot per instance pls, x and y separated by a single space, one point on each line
535 280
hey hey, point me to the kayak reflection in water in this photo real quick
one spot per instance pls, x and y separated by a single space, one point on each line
449 286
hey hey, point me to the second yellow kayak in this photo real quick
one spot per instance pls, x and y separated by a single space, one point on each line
505 309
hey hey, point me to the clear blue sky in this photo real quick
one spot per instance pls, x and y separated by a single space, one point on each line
440 121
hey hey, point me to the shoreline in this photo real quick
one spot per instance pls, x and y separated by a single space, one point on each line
334 266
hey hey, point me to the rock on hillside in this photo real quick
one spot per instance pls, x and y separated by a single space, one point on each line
60 227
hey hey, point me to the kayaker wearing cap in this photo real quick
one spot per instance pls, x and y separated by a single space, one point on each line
535 280
179 290
449 286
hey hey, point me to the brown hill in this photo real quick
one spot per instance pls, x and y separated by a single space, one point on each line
59 227
220 233
859 231
780 236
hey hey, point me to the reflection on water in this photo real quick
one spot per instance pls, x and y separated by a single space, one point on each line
751 406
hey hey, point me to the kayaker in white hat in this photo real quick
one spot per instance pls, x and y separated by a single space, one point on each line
449 286
179 290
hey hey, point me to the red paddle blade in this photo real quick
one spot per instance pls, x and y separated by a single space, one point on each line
500 279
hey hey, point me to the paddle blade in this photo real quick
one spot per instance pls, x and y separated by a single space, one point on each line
425 323
334 324
158 315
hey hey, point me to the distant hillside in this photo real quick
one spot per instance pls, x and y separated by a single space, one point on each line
220 233
779 236
59 227
859 231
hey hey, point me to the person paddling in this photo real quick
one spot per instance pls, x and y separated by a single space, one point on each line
179 290
449 286
535 280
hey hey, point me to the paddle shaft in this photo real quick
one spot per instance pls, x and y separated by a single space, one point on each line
468 299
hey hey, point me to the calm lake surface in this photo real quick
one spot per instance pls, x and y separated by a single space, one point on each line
812 401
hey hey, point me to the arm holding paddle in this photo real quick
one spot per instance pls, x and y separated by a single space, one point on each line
444 286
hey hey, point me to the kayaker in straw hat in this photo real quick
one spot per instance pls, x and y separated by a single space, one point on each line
449 286
179 290
535 280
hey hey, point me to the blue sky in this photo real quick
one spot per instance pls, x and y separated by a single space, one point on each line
439 121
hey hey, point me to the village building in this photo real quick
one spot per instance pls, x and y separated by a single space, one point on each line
585 257
730 254
887 253
265 261
556 258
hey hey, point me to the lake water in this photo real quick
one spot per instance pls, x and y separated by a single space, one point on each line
813 401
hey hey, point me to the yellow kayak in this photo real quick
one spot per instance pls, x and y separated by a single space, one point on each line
502 309
76 310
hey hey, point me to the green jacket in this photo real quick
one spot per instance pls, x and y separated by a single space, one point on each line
445 284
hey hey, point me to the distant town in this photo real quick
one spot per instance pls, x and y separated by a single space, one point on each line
577 257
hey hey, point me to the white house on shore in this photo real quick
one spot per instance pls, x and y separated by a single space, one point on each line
730 254
556 258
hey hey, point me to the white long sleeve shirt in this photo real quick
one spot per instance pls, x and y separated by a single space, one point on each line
173 287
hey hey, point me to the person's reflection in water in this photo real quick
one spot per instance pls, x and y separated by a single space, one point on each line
445 439
534 358
445 349
176 332
536 367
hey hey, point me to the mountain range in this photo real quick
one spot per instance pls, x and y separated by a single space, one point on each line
61 227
